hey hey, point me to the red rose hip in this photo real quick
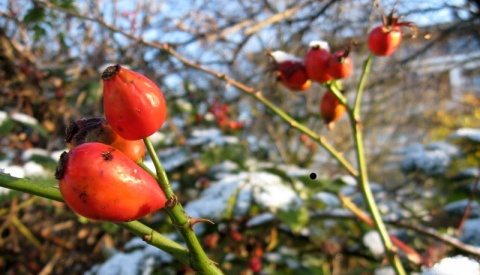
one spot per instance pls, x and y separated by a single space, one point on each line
99 182
134 106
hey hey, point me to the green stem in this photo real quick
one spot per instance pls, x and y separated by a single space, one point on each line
199 260
362 178
361 85
27 186
369 199
162 177
137 228
158 240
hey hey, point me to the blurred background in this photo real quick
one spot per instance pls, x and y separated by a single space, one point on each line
231 159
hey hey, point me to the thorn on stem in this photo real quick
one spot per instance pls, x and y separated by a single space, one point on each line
193 221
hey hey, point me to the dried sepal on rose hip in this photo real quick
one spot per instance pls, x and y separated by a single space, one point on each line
384 40
99 182
290 71
340 64
97 129
331 109
134 106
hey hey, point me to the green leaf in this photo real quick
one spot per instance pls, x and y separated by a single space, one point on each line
110 227
6 127
94 91
34 125
67 4
34 15
38 32
8 195
296 219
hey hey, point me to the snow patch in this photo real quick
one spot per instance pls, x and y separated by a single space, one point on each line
210 136
458 208
471 232
260 219
185 106
294 171
329 199
374 243
55 155
449 149
281 57
454 265
157 138
234 194
469 133
15 171
29 153
224 167
431 162
387 270
24 118
141 260
319 44
35 170
349 180
3 117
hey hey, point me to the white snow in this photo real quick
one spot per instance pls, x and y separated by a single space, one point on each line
374 243
104 66
281 57
453 266
157 138
471 232
329 199
224 167
170 158
269 192
28 153
236 192
212 136
120 263
414 148
349 180
15 171
260 219
141 260
55 155
214 200
444 146
209 117
387 270
3 117
349 190
35 170
24 118
294 171
430 162
185 106
458 208
472 172
319 43
4 190
469 133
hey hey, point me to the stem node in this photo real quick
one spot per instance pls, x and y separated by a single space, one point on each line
171 202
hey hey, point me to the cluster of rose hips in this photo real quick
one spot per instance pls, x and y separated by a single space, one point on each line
322 66
99 178
220 112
